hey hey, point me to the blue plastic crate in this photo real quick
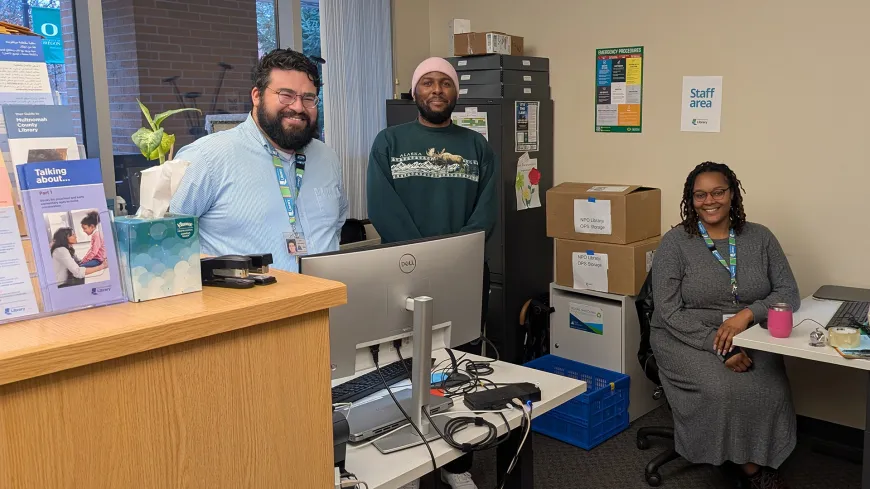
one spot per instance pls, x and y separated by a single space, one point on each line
592 417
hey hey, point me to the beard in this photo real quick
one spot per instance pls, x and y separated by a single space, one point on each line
291 139
436 117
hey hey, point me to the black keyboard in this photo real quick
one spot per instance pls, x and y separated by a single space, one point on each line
850 314
368 384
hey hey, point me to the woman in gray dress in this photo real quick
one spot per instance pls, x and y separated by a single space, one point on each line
714 276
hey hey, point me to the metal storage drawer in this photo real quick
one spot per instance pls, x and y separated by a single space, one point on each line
531 92
508 77
500 62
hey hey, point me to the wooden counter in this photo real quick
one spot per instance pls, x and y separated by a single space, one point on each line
219 389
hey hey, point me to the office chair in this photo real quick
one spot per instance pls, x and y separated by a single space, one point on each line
647 359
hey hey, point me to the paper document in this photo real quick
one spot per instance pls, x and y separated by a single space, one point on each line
16 290
590 271
526 126
472 119
592 216
528 177
604 188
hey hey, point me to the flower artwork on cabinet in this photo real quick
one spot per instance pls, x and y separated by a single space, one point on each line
528 178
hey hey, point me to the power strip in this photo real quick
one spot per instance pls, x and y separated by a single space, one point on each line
499 397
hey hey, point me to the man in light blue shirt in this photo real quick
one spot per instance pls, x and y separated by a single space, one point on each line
232 183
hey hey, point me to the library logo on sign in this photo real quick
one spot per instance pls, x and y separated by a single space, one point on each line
101 290
9 311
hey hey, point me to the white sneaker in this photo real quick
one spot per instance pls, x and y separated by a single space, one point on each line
458 481
412 485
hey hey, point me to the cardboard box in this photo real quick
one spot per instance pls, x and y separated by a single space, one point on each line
159 257
475 43
458 26
618 214
613 268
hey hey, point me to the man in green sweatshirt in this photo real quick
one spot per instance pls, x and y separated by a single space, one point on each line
430 178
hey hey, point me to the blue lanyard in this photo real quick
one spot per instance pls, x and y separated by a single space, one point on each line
731 264
286 193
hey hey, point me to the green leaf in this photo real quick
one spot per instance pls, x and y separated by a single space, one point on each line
163 115
161 151
520 181
167 142
147 115
147 140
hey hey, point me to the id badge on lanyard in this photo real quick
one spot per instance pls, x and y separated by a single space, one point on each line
731 264
295 238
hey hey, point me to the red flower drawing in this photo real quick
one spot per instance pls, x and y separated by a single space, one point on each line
534 176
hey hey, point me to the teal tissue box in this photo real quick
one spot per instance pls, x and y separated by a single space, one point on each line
159 257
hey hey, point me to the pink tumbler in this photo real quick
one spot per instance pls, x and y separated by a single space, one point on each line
780 320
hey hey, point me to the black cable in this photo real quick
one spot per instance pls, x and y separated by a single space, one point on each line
375 349
497 357
810 320
456 424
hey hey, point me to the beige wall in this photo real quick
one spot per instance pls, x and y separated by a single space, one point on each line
794 118
410 40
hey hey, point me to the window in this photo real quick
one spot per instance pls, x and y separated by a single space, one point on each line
175 54
311 45
53 19
267 34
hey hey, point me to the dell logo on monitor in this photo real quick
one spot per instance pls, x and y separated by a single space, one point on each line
407 263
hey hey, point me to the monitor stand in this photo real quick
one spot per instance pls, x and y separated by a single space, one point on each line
421 379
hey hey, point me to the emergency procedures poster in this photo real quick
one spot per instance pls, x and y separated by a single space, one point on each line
618 89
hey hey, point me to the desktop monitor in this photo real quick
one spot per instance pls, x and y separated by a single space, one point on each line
222 122
379 281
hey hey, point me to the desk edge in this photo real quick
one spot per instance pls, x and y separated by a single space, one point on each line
35 362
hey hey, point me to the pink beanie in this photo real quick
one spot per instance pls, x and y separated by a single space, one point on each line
431 65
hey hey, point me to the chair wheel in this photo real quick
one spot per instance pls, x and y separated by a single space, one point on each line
642 443
654 479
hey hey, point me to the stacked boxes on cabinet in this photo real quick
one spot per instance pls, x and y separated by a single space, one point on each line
606 235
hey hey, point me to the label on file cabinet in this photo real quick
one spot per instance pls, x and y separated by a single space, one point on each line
586 318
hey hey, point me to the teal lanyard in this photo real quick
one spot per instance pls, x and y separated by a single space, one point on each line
283 184
731 264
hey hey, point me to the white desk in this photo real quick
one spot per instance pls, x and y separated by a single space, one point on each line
396 469
797 345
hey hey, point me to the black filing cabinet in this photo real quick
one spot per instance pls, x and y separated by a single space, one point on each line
520 253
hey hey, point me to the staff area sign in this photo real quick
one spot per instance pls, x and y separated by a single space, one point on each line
618 89
702 104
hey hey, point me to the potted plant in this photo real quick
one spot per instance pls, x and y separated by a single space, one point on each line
154 142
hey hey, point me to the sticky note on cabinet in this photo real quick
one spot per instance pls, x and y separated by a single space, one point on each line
592 216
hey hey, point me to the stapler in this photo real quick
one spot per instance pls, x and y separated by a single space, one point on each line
259 268
235 271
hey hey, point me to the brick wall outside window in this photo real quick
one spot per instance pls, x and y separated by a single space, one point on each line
148 41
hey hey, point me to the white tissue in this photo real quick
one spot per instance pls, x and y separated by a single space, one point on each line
157 186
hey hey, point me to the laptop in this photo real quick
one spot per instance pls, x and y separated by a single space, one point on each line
378 414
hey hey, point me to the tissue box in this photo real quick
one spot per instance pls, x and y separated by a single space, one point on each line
159 257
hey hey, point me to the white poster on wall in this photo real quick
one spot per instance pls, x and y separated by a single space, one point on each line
702 104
